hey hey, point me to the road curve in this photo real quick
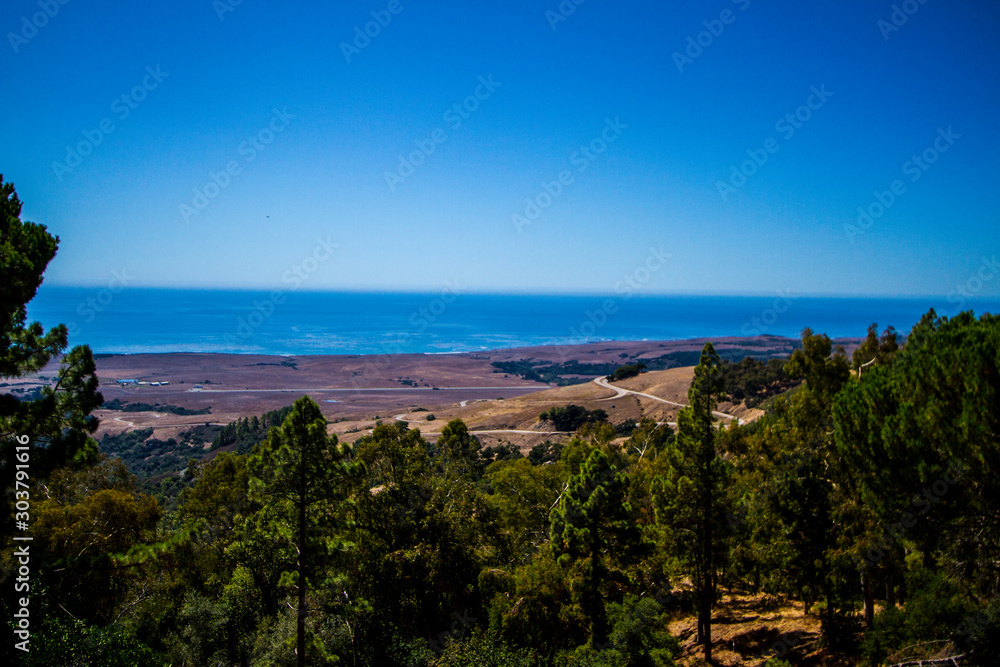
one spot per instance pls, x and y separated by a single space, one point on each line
602 382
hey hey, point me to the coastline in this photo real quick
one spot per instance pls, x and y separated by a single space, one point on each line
359 387
146 321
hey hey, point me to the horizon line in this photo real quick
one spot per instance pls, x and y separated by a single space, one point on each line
514 292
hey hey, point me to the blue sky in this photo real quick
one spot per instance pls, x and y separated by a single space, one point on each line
662 131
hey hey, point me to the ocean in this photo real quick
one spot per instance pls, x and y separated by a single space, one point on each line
135 320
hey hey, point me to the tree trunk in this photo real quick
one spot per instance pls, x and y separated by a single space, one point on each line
598 632
708 551
830 610
706 623
707 600
595 631
300 648
869 597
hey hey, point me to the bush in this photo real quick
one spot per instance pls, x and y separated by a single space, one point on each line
626 371
500 453
572 417
753 380
545 452
626 428
63 641
932 613
117 404
637 631
482 652
886 635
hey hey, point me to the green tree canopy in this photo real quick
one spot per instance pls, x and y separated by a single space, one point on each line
58 424
593 523
690 500
875 349
304 471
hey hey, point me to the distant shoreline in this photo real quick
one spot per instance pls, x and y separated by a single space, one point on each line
762 342
218 387
138 321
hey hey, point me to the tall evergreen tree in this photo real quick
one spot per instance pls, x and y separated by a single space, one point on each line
58 424
807 502
592 521
690 502
305 472
875 349
932 418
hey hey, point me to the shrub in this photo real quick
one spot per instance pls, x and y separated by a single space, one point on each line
572 417
626 427
935 608
626 371
482 652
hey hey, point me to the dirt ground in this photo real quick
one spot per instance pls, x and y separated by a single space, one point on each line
355 391
752 629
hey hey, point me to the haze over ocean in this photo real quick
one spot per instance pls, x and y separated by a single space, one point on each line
138 320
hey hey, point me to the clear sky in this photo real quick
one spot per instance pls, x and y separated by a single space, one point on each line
678 118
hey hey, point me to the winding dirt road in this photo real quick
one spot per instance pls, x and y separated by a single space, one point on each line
619 392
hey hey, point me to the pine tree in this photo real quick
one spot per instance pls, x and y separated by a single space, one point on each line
808 503
305 473
591 521
875 349
58 425
690 501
